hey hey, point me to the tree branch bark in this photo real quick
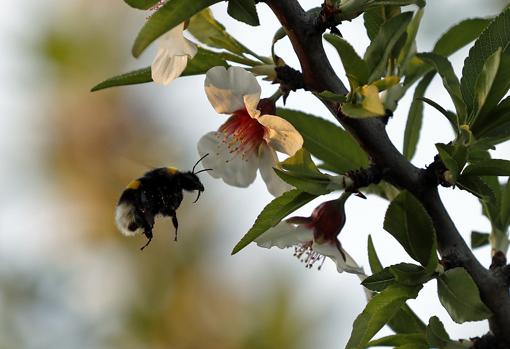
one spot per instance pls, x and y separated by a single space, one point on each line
371 134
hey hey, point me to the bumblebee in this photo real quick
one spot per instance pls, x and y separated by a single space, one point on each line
157 193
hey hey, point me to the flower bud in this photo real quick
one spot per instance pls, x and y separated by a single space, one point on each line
328 219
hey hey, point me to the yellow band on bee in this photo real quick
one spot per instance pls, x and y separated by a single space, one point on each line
172 170
133 184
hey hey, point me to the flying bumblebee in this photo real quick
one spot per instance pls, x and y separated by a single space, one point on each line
157 193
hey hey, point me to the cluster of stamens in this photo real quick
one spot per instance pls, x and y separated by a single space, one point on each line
307 255
242 134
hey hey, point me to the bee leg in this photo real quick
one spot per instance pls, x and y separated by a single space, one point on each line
147 230
175 223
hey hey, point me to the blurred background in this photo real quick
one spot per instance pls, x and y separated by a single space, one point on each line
68 279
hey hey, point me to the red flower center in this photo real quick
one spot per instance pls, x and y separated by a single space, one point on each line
242 132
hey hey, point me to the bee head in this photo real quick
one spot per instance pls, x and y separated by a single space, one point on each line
191 182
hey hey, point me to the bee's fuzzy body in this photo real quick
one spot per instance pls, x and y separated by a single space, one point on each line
157 193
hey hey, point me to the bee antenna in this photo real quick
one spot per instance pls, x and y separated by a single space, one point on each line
202 158
197 196
203 170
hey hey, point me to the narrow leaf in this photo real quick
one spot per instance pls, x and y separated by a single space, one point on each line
490 167
450 116
206 29
244 11
381 308
405 320
415 117
479 239
273 213
172 13
436 334
379 50
460 297
326 141
450 80
492 85
373 259
355 67
141 4
376 16
379 281
496 35
476 186
200 64
409 223
399 339
313 185
460 35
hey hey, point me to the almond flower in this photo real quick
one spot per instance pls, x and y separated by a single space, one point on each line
314 238
172 56
249 139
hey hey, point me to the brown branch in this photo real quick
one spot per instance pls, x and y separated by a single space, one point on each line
371 134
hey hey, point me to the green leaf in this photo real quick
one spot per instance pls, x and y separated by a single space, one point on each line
326 141
273 213
454 157
436 334
496 35
380 49
379 281
490 167
409 48
496 128
409 223
206 29
451 117
479 239
171 14
139 76
505 205
301 163
492 85
244 11
460 297
381 308
373 259
450 81
367 103
141 4
332 97
460 35
318 185
399 339
476 186
415 117
200 64
376 16
409 274
406 321
355 67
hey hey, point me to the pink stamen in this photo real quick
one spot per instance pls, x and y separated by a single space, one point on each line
242 133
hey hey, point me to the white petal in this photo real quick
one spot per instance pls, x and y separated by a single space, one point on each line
176 44
334 251
166 68
267 160
233 168
281 135
226 89
284 235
